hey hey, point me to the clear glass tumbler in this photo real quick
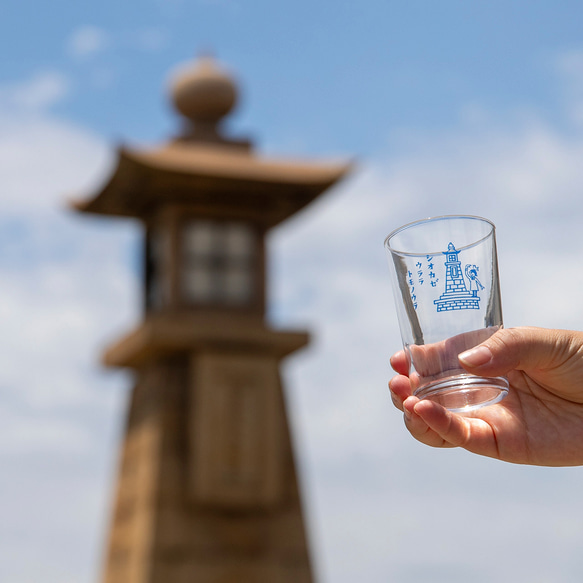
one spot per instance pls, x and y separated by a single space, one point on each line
447 294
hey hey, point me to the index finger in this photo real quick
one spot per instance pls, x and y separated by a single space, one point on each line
400 363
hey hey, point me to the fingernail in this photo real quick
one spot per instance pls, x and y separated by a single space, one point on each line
476 356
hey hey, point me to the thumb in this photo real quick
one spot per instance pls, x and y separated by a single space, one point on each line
521 349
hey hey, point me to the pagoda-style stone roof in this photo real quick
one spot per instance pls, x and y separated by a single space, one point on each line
226 177
206 170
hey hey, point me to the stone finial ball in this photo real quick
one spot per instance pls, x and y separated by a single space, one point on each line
203 91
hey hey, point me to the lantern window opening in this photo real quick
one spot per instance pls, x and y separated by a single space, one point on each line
156 258
218 262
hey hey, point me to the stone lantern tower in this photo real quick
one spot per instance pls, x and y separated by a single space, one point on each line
207 489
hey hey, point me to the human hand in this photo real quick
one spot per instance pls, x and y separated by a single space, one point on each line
540 422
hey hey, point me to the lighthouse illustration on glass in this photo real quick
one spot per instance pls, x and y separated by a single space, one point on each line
447 294
456 295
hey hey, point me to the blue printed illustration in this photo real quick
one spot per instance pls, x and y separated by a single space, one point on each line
472 274
456 295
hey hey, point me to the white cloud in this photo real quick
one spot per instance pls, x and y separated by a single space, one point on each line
148 39
87 41
37 155
66 286
569 67
570 64
39 92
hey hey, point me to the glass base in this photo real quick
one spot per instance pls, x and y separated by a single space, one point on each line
463 393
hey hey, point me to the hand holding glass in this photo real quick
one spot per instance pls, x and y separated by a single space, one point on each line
447 294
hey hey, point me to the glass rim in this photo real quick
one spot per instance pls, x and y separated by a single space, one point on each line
398 230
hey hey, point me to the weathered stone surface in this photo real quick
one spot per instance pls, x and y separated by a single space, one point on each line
172 523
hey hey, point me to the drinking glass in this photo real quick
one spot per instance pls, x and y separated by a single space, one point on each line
447 294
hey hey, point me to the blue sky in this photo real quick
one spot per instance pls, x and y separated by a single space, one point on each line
350 72
448 107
